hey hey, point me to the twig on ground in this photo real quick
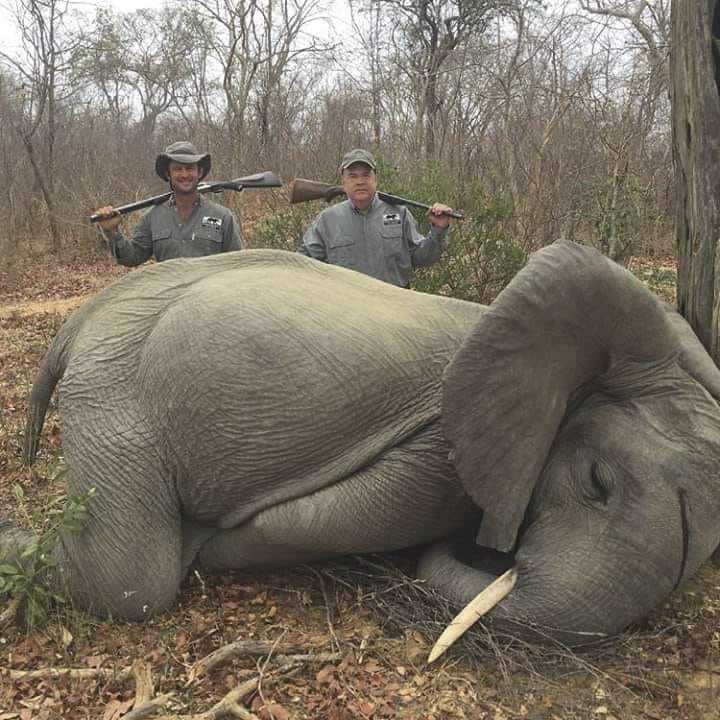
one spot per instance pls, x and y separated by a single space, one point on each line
144 687
148 708
239 648
75 673
230 705
329 608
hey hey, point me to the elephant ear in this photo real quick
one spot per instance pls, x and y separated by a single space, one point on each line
694 359
569 317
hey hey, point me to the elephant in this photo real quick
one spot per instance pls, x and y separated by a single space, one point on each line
261 408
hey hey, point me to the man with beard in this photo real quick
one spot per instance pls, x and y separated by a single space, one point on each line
185 225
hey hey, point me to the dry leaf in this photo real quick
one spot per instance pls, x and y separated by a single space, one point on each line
269 711
115 709
66 637
95 661
325 674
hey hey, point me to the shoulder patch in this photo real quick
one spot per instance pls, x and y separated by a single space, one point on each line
211 222
391 219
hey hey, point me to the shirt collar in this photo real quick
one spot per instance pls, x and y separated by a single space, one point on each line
198 200
370 207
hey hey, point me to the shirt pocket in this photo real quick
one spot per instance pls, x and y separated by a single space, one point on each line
161 235
392 236
207 241
341 250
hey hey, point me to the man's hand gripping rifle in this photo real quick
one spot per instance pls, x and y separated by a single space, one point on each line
302 190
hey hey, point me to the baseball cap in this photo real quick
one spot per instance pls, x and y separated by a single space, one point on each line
358 155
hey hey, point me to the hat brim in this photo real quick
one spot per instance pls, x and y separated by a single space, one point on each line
345 166
163 161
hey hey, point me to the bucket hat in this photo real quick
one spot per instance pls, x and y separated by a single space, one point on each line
358 155
181 152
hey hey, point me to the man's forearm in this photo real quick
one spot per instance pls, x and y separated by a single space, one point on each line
123 250
430 247
313 246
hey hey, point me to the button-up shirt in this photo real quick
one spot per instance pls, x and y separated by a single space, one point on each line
210 229
382 241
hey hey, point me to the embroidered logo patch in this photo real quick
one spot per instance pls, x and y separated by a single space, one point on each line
211 222
391 219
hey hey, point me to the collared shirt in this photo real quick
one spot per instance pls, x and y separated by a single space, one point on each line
382 241
210 229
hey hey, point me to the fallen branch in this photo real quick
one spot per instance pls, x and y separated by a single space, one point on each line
148 708
230 705
75 673
280 653
144 686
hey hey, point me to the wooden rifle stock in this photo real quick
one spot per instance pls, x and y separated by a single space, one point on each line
259 180
302 190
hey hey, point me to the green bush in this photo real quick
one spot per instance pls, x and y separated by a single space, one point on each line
30 577
284 229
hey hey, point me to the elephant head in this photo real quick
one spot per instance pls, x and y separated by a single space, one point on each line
582 422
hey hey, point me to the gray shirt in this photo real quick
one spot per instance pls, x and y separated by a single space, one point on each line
210 229
382 241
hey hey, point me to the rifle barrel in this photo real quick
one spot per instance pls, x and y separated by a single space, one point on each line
397 200
259 180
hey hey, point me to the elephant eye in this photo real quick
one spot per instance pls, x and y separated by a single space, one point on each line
601 483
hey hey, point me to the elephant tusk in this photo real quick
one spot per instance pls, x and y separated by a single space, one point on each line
473 611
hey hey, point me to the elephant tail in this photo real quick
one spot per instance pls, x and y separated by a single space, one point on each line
38 401
52 368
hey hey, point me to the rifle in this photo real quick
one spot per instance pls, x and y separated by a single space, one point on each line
259 180
302 190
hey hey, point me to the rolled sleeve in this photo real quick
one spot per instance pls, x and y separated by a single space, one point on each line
313 244
135 251
424 250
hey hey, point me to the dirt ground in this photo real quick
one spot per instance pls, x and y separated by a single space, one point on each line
316 640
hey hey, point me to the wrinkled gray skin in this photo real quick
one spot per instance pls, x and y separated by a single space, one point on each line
261 408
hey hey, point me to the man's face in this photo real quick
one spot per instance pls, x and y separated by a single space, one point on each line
359 183
183 178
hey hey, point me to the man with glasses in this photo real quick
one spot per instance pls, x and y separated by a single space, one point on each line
364 233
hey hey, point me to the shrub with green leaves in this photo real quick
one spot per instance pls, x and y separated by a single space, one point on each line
29 577
283 229
481 256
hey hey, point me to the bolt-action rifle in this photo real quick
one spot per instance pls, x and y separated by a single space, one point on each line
302 190
259 180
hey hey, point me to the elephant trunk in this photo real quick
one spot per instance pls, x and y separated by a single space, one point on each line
538 607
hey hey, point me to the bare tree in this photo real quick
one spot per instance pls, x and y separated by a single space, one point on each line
257 43
41 65
426 39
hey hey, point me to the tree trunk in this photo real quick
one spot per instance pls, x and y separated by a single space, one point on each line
696 149
431 109
45 190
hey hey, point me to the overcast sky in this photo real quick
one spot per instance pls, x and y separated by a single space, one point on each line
339 11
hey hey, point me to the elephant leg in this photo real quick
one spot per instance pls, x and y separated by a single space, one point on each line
127 559
409 496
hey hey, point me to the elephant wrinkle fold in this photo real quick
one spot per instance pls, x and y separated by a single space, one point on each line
262 408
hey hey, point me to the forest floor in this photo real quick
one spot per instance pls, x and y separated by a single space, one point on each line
314 637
